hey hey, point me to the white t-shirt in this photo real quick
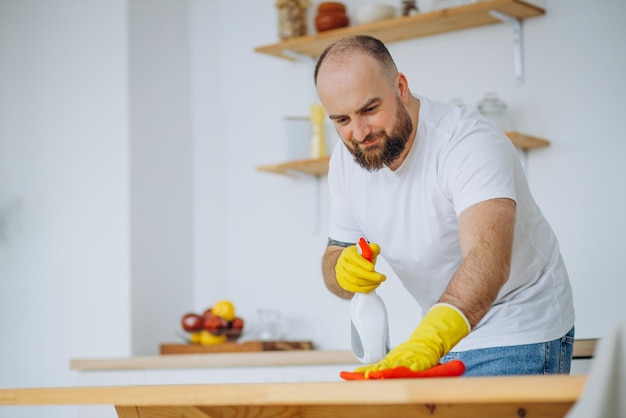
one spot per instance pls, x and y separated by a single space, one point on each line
458 159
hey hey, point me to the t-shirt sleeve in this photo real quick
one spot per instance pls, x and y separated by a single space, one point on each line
477 165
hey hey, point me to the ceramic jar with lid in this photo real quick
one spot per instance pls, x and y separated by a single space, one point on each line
331 15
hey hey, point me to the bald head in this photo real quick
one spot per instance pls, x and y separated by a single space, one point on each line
368 100
346 48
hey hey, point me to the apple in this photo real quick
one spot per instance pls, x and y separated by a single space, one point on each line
214 324
192 322
236 323
235 329
208 313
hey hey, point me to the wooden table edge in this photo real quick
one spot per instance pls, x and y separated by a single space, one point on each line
477 390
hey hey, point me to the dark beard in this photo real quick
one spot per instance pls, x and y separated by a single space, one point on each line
377 156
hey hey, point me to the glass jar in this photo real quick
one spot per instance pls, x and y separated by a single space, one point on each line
292 18
270 325
496 111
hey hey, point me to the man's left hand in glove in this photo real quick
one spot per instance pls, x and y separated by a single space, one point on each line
440 330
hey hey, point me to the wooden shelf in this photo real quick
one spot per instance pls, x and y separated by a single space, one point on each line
407 27
319 166
526 142
315 167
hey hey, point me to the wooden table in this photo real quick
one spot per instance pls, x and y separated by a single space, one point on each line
521 396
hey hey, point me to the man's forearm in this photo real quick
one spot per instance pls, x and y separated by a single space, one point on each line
474 287
486 237
329 261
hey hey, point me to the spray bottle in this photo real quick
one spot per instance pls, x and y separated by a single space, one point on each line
370 331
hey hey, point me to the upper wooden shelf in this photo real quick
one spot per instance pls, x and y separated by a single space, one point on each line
319 166
407 27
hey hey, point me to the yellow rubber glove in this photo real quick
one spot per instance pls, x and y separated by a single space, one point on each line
441 329
355 273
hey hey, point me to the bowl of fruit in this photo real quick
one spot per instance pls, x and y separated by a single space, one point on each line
217 324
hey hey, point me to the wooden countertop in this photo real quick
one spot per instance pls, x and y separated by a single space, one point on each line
519 396
250 359
582 349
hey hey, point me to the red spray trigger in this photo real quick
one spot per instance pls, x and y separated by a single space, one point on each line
364 249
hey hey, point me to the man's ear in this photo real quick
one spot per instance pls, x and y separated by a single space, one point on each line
403 87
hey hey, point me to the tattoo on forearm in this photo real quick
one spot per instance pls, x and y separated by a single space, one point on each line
339 243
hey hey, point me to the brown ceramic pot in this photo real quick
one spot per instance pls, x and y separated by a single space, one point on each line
331 15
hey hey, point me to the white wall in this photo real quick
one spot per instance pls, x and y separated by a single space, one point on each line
64 192
66 189
161 169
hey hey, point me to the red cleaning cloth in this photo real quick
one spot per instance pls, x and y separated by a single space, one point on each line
450 369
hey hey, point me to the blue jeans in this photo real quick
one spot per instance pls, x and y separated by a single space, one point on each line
552 357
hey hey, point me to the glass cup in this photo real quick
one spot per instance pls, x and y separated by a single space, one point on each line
270 325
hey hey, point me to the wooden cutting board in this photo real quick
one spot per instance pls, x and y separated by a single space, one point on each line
235 347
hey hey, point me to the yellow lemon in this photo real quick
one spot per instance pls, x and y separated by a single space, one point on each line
194 337
206 338
224 309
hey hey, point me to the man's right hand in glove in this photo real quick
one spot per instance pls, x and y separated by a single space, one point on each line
355 273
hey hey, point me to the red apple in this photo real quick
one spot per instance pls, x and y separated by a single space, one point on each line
236 323
192 322
215 324
235 329
205 316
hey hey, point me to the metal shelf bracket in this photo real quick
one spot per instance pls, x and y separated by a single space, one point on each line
518 50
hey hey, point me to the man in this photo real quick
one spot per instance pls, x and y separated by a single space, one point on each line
441 192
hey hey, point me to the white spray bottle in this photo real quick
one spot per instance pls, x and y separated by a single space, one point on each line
370 330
